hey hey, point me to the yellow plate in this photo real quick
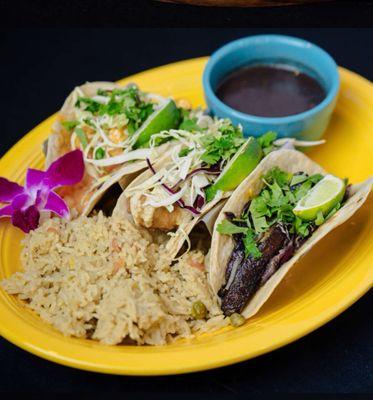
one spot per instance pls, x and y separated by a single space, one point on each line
324 283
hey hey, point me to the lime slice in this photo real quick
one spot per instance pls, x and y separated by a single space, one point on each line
240 166
322 197
167 117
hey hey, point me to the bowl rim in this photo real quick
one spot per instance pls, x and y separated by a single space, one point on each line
302 44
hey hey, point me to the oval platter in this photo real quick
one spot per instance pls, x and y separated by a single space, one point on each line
327 281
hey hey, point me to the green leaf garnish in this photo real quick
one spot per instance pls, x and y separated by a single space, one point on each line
82 137
70 125
277 175
315 178
296 179
301 227
251 248
127 102
224 146
99 153
190 125
184 152
319 218
89 104
267 139
274 205
226 227
210 193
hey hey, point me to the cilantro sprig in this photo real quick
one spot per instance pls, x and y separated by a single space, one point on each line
227 227
222 146
274 205
266 141
188 121
126 102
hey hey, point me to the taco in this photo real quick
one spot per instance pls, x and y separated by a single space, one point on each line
112 125
210 159
275 216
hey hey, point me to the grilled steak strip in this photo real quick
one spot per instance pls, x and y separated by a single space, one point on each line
249 276
236 259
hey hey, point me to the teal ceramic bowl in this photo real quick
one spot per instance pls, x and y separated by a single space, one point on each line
270 49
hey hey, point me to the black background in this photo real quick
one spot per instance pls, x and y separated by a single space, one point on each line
151 13
38 68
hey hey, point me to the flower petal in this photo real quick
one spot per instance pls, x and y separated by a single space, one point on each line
57 205
67 170
34 178
6 211
26 220
21 201
8 190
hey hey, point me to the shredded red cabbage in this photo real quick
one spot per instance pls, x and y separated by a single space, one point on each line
210 171
179 202
214 170
199 202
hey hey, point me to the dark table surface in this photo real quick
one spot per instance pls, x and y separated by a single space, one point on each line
38 68
152 13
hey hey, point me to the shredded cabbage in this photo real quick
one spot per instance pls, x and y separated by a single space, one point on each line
185 172
107 133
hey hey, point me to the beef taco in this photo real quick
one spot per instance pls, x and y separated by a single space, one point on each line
275 216
112 125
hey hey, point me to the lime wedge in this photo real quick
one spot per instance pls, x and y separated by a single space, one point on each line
167 117
322 197
240 166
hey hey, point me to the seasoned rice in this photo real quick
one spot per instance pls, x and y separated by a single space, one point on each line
106 279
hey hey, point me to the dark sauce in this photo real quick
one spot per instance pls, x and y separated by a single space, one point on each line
270 90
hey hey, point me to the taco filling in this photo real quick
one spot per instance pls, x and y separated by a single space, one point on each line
180 185
270 229
210 159
108 126
112 125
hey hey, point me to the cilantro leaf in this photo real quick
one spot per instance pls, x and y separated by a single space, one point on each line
319 218
222 146
277 175
266 142
258 207
190 125
296 179
260 224
184 152
89 104
210 193
267 139
251 248
127 102
315 178
226 227
70 125
302 190
82 137
211 157
99 153
301 227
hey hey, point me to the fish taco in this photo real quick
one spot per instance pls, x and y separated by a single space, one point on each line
275 216
112 125
210 159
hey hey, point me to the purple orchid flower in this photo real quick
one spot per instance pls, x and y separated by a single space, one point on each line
26 203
